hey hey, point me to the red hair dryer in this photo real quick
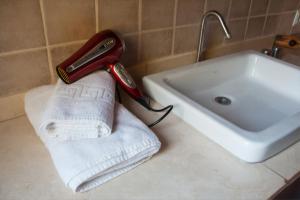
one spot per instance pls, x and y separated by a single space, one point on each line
103 51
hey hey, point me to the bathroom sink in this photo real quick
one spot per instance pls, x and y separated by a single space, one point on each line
248 103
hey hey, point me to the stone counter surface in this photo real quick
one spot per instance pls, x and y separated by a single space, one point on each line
188 166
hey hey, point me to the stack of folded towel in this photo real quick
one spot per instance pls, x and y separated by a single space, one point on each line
83 109
75 122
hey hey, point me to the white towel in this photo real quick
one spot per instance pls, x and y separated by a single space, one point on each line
85 164
83 109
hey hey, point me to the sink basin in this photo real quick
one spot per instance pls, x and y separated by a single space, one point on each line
248 103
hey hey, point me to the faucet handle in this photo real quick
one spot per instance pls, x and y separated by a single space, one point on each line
266 51
275 52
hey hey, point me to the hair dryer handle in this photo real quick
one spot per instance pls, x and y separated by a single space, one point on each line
127 83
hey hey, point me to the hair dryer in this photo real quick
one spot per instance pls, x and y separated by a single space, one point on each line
103 51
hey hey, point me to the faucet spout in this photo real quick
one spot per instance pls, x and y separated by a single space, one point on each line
202 31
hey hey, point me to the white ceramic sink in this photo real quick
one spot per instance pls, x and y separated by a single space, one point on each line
247 102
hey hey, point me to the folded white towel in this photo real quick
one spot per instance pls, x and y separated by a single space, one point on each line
83 109
85 164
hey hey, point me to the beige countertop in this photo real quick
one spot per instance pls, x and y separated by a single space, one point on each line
188 166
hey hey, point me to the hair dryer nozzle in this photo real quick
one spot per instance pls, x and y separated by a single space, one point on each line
63 75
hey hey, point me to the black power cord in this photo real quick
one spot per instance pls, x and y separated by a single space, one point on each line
118 93
168 108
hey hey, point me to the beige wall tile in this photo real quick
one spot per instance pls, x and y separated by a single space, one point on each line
186 39
282 5
69 20
171 62
239 8
157 14
279 24
291 55
219 5
237 29
156 44
257 44
285 23
214 35
271 24
11 106
137 72
20 72
59 54
296 29
259 7
119 15
255 27
21 25
189 11
129 58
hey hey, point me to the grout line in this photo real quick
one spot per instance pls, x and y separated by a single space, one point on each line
182 54
282 13
275 172
157 29
97 15
130 34
204 45
174 26
229 10
256 16
66 43
256 38
205 7
161 59
266 17
291 29
188 25
185 26
269 35
12 118
145 62
8 53
49 56
100 15
238 18
44 22
170 56
247 22
139 31
251 39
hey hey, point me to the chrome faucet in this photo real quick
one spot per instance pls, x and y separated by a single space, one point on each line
275 50
202 31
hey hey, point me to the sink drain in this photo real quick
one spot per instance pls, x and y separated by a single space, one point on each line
223 100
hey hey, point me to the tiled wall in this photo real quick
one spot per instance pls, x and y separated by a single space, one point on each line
36 35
